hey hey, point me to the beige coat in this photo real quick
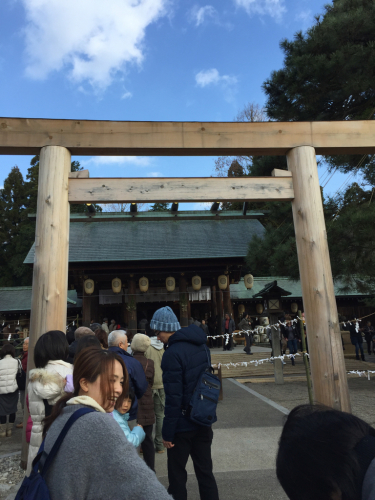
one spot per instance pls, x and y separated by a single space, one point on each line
155 352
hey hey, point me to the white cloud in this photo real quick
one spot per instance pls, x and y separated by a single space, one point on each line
91 40
154 174
212 77
139 161
273 8
126 95
199 14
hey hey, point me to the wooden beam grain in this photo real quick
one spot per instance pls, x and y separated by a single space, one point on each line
110 138
191 189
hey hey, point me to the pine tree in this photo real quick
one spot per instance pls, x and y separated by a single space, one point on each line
14 227
159 207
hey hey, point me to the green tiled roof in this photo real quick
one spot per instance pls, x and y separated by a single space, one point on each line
18 298
159 240
239 292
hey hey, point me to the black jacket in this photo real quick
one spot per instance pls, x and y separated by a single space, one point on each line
184 360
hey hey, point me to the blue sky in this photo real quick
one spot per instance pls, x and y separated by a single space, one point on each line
169 60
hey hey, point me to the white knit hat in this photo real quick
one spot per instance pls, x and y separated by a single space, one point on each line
140 342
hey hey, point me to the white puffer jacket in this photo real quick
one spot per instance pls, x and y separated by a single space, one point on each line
8 371
44 383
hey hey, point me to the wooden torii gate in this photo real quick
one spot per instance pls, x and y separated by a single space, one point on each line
56 140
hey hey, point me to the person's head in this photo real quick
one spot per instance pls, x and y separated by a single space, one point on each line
84 342
25 345
99 374
82 331
118 338
165 323
368 323
227 316
127 402
105 320
50 347
113 321
323 449
140 342
288 319
203 321
92 321
102 336
7 349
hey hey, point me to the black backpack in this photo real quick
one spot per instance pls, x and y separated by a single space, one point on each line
205 397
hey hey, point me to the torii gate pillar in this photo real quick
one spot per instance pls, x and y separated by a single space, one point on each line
323 333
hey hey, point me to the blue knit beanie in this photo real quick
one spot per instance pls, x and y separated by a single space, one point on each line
165 320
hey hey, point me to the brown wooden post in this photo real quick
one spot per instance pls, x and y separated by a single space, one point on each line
213 302
50 273
132 306
86 309
184 299
227 302
220 313
326 354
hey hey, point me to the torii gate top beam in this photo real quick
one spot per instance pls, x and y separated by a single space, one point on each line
26 136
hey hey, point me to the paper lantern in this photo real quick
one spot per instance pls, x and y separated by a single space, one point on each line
264 321
143 284
249 281
259 308
170 283
241 309
196 283
294 307
222 282
89 286
116 285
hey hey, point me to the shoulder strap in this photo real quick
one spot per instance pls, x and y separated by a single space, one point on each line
47 458
208 357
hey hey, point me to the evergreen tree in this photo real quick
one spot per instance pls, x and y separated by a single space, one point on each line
160 207
14 231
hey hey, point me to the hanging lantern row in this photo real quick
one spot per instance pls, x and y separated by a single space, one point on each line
249 281
241 309
89 286
259 308
143 284
196 283
170 284
116 285
222 281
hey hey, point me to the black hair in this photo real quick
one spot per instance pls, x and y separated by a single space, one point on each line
49 347
7 349
86 341
317 455
131 395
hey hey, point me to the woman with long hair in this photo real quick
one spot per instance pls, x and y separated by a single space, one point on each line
95 460
46 383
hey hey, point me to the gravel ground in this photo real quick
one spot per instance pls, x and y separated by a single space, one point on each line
292 394
10 474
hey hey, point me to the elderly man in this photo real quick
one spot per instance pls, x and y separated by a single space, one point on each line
118 343
82 331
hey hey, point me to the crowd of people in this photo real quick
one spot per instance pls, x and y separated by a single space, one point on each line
136 394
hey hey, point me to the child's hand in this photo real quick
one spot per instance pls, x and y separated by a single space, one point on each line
139 425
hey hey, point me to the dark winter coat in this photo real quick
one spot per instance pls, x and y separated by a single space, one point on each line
137 379
72 351
231 328
184 360
146 414
355 337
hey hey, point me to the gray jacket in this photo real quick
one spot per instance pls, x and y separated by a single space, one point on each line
97 462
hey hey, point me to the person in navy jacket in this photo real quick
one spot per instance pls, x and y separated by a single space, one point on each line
118 343
184 360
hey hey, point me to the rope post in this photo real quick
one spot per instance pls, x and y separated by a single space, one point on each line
305 360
